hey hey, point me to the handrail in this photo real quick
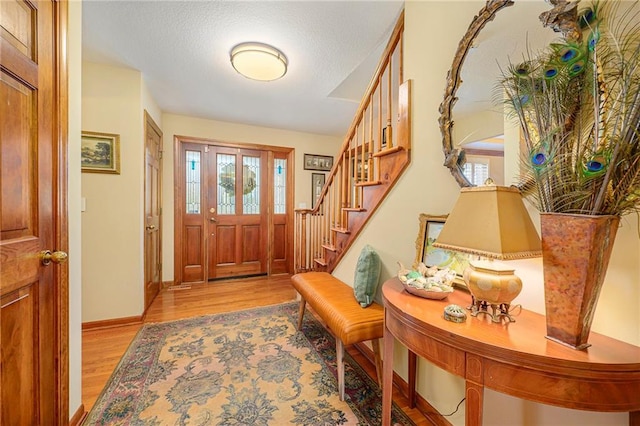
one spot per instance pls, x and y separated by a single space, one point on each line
358 164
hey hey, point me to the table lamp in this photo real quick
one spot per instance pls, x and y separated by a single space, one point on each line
491 222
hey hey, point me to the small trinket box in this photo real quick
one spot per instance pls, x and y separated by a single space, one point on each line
454 313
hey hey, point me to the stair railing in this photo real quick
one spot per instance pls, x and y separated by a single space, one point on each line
370 137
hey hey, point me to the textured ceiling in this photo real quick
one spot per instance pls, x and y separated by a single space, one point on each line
182 50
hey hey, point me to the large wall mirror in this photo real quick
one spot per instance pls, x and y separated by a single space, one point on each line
472 119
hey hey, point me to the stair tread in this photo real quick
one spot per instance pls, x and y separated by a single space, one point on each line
329 247
353 209
341 230
388 151
320 261
369 183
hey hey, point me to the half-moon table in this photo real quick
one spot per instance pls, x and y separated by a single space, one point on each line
512 358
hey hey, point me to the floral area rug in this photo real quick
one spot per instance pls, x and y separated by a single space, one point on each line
242 368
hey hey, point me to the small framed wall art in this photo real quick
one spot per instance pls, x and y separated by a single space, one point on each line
317 183
100 153
322 163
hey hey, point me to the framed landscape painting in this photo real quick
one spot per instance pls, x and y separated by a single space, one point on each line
430 227
100 153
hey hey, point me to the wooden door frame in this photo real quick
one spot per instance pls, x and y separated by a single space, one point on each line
60 209
149 121
177 207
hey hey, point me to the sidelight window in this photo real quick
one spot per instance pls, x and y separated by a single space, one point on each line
192 193
280 186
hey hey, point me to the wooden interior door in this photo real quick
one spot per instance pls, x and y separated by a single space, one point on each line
33 313
237 202
152 210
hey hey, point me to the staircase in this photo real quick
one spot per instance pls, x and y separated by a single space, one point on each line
373 156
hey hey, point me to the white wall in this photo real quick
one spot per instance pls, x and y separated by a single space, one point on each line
432 32
173 125
149 104
113 101
112 262
74 50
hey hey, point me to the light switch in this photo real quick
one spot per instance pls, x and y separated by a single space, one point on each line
83 204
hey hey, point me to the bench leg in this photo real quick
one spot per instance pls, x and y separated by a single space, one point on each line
340 360
303 304
376 354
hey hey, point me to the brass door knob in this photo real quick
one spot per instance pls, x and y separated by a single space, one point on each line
46 257
151 227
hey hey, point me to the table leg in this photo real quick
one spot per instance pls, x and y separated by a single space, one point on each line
634 418
340 361
387 377
473 404
413 362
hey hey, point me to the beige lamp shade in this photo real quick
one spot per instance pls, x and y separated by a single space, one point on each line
259 61
490 221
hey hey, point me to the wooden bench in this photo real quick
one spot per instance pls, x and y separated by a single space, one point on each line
335 304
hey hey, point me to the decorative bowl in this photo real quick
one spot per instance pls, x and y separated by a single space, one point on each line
427 294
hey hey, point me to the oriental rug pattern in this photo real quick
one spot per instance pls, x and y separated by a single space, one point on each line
242 368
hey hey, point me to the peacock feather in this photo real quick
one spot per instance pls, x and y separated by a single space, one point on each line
578 106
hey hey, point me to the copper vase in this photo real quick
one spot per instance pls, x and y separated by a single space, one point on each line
575 254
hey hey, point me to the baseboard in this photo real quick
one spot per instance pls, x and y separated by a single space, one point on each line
430 413
78 417
166 284
427 410
110 323
365 350
398 381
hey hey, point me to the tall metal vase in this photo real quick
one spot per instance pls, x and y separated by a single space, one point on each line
575 255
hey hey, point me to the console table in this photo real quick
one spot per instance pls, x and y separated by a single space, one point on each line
512 358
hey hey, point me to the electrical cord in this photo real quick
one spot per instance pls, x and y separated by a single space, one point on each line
456 410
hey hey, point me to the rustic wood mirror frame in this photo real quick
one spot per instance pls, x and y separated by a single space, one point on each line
454 157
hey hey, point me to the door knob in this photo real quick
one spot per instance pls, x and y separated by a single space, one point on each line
46 257
213 219
151 227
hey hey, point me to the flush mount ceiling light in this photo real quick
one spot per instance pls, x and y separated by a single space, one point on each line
259 61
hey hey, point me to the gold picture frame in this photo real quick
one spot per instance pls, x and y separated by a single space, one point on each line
429 228
100 152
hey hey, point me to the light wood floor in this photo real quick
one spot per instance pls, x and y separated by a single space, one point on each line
103 348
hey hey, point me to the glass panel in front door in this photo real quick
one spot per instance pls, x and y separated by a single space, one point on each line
251 185
226 178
